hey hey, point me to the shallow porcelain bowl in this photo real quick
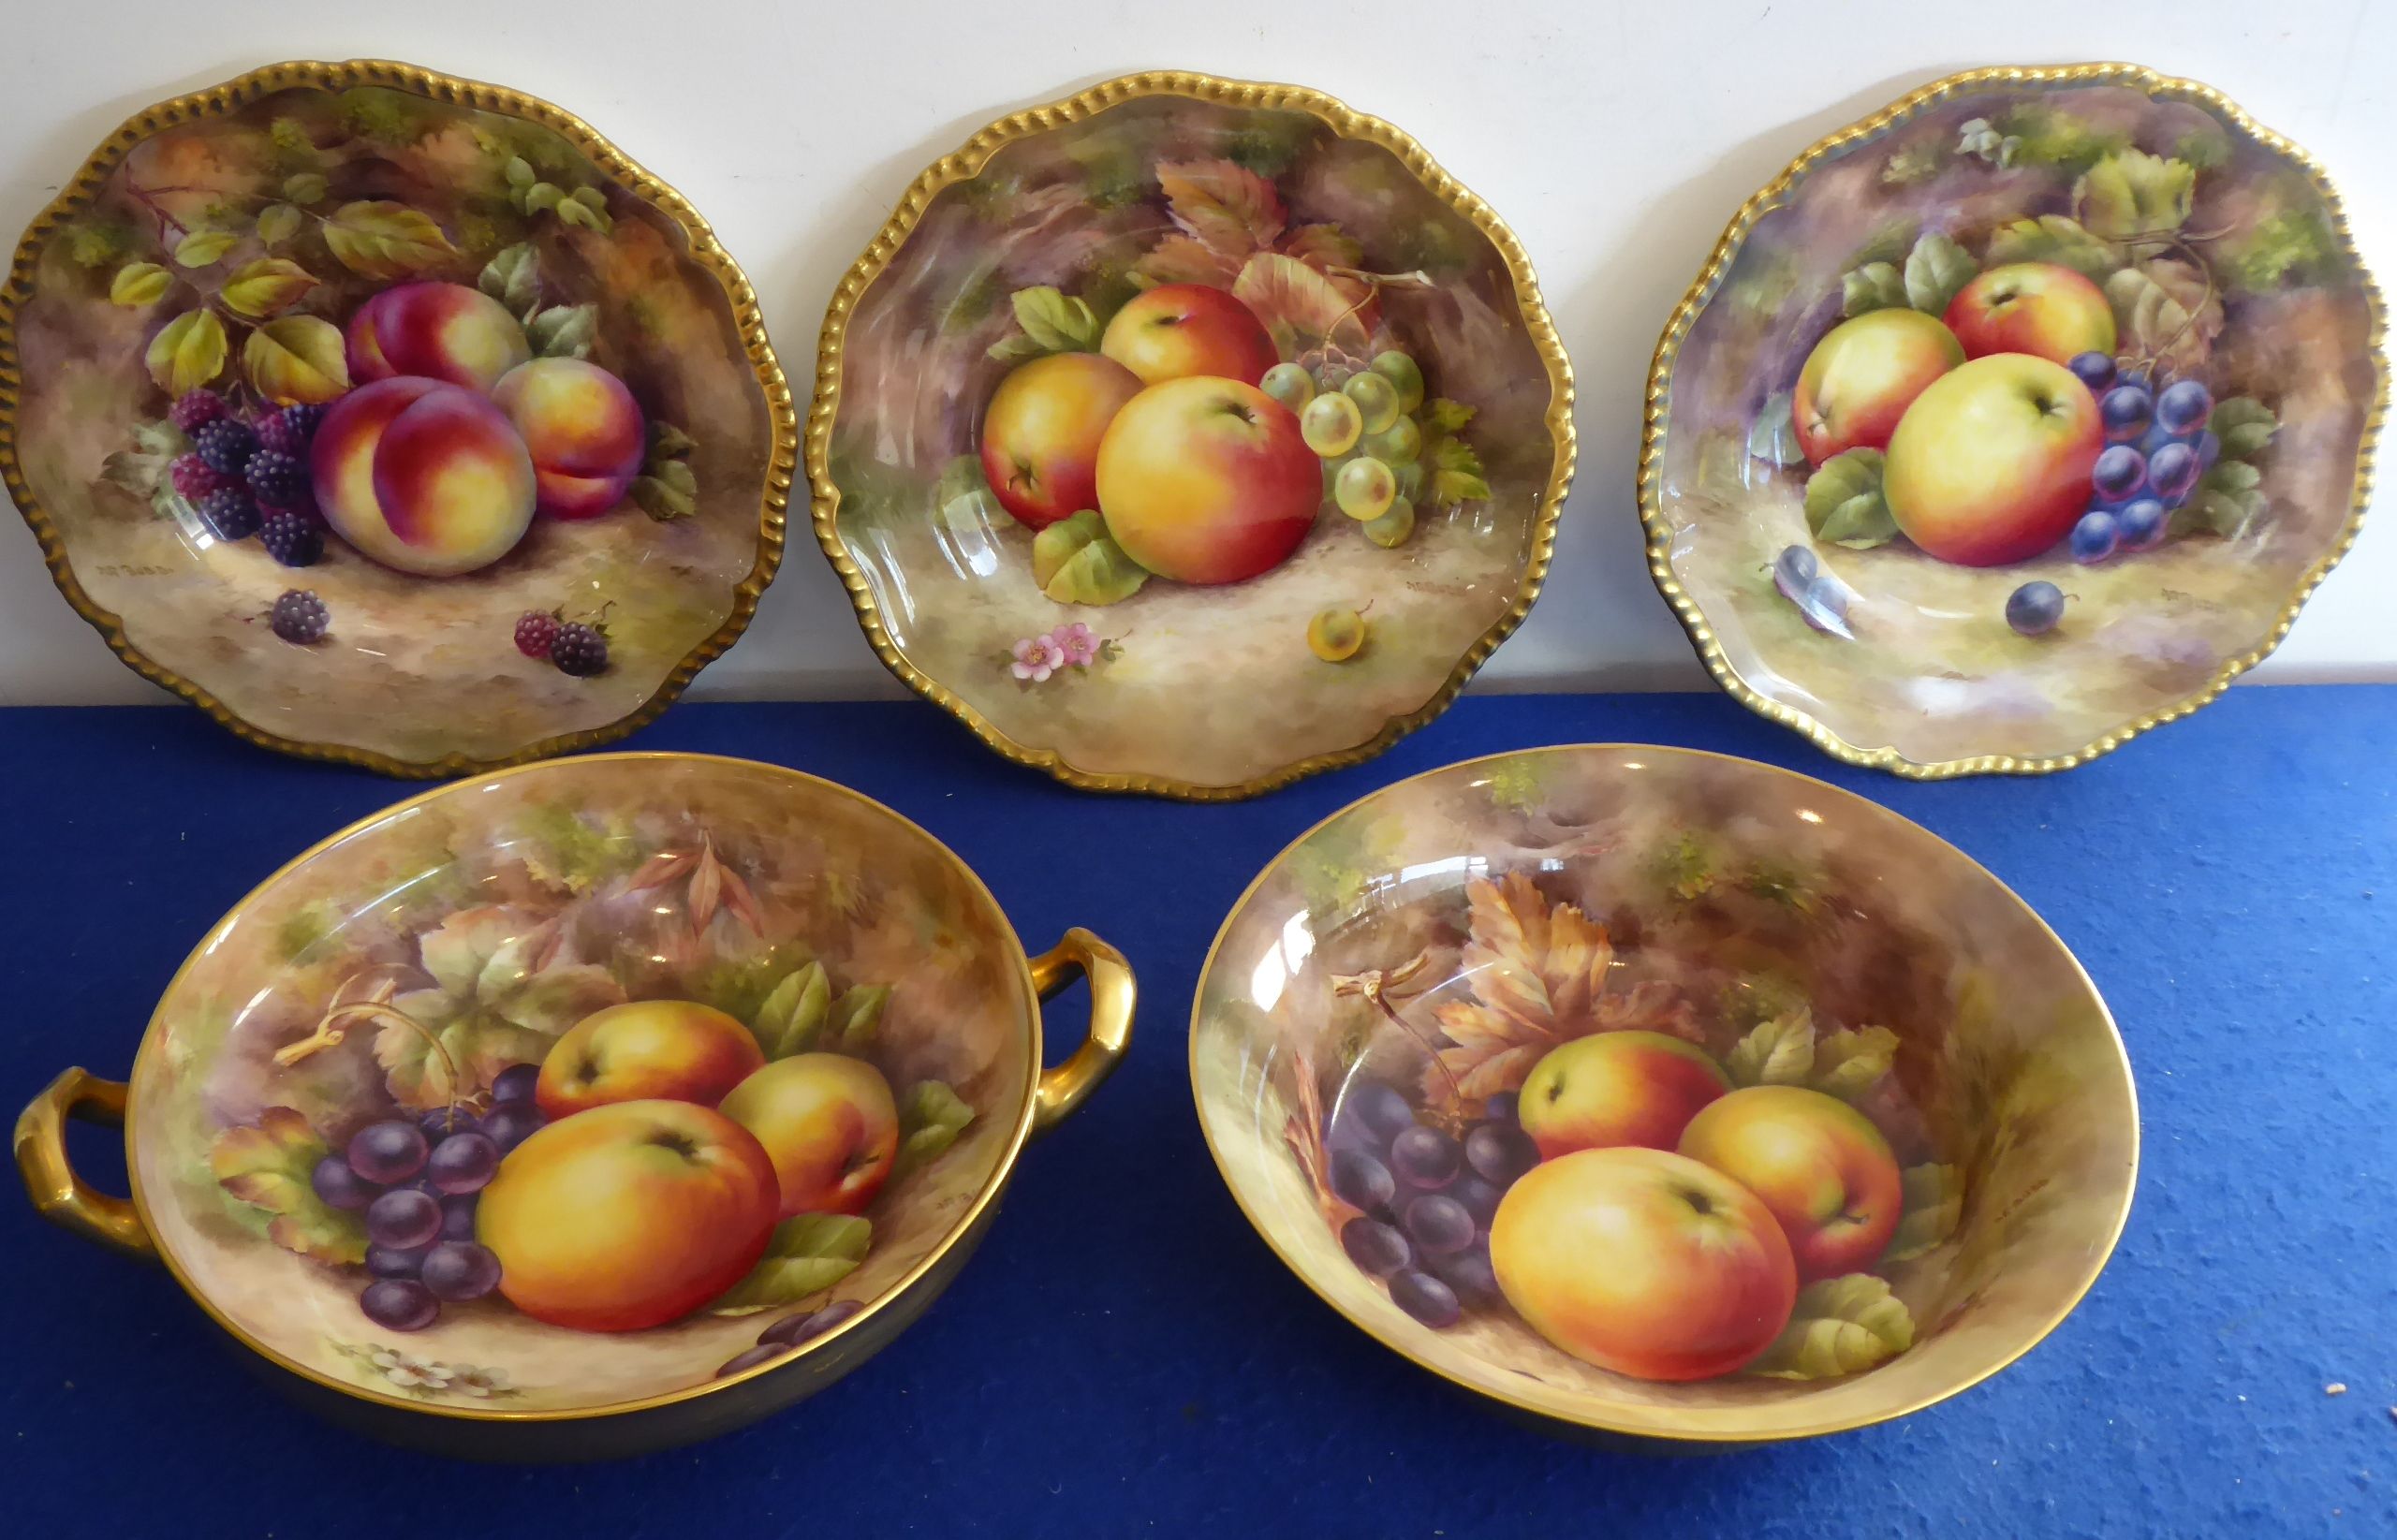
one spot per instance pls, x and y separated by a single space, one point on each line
845 974
1792 1118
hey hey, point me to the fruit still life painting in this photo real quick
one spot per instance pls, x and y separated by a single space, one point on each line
1193 434
2015 420
604 1082
341 397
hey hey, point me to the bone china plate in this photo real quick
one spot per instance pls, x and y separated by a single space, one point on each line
394 418
1189 437
2013 421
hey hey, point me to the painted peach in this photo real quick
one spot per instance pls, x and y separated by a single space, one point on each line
422 477
583 429
441 331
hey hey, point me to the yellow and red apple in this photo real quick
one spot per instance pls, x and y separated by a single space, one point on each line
829 1125
647 1050
1041 432
1175 330
2041 308
1990 464
423 476
1207 481
439 331
582 428
1643 1262
628 1215
1617 1088
1863 374
1821 1165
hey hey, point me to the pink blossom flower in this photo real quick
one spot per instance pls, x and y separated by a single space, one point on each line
1036 658
1076 643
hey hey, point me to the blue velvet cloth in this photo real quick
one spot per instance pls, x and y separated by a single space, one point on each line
1124 1357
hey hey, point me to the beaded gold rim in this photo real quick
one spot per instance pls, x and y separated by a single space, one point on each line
1727 250
963 166
221 100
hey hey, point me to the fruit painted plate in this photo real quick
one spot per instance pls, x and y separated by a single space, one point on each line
1664 1093
1190 436
2013 421
394 418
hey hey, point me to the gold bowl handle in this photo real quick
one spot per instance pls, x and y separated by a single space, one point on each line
1111 994
62 1196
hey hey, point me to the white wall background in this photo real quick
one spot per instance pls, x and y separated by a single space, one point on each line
1615 136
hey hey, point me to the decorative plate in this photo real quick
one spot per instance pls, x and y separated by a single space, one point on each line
394 418
1190 436
1664 1093
2013 421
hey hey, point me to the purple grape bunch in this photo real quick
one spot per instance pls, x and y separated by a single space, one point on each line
417 1184
1426 1196
2158 445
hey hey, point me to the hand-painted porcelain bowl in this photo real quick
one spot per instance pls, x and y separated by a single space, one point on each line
2013 421
1664 1095
394 418
1190 436
586 1107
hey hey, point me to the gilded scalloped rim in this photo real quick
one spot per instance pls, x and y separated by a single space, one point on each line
966 163
622 169
1652 444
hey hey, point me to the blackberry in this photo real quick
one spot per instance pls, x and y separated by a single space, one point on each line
580 650
276 479
192 478
230 513
291 430
298 616
195 409
293 539
536 633
225 445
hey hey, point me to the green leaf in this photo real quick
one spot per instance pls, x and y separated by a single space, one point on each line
563 332
187 353
1844 501
856 1015
1840 1326
268 1167
299 358
590 198
1935 270
1054 322
931 1116
659 501
268 286
1443 415
1875 285
1053 547
1098 573
1015 348
1935 1200
2165 308
807 1254
1774 437
573 210
668 442
1455 470
540 198
202 247
138 284
2297 243
2131 193
1779 1052
793 1012
513 277
2225 502
278 223
142 469
2053 237
1851 1060
306 187
520 172
2245 425
379 239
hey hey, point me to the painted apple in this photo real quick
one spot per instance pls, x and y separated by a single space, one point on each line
1207 481
648 1049
439 331
1863 374
1820 1165
581 427
2032 307
1643 1262
422 477
1992 463
1175 330
1041 432
628 1215
1615 1088
829 1125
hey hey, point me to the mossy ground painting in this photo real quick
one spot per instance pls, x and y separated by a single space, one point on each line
398 427
2019 422
1190 442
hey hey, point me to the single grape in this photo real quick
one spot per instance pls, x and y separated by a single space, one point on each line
511 1123
2118 472
460 1269
1505 1107
1397 444
1795 567
1478 1194
1330 424
1468 1275
457 1218
340 1186
1403 372
388 1151
442 1121
1366 486
2035 608
515 1083
2173 472
1392 528
400 1304
1289 384
1825 605
395 1261
463 1162
2184 406
1438 1223
1360 1179
2144 524
1425 1158
2209 450
791 1331
1378 1249
1379 1108
1376 401
749 1359
1499 1150
404 1218
1411 479
2125 410
1426 1298
2097 369
2095 536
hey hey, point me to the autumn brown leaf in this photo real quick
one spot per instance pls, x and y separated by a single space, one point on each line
267 1167
1182 259
1227 207
1323 246
1300 305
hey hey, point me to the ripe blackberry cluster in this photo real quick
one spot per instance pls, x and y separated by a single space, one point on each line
291 430
292 539
225 445
192 478
276 477
230 513
580 650
298 616
536 632
194 409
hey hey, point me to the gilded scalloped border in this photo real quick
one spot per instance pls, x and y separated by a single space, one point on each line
221 100
966 163
1659 400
